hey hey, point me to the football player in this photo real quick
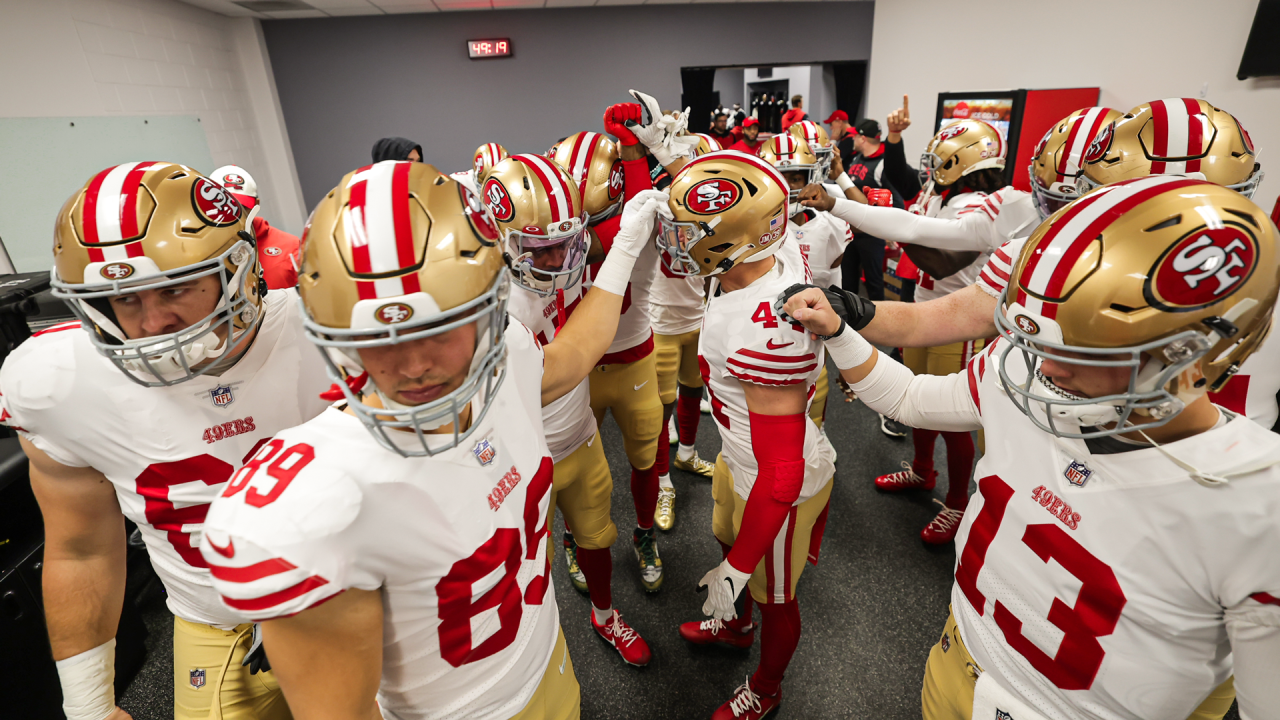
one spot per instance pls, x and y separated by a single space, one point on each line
964 207
277 249
485 157
820 237
1119 563
179 367
772 479
1227 157
537 209
395 547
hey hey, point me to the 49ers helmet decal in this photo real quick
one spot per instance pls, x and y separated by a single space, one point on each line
1057 159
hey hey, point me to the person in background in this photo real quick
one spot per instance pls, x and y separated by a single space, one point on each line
738 115
795 114
749 143
840 135
277 249
866 170
720 130
397 148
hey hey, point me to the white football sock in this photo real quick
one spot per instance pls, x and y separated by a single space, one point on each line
600 616
685 453
664 481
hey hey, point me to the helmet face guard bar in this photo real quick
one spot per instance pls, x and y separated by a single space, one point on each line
1086 185
675 239
1065 415
523 248
1049 201
408 430
173 358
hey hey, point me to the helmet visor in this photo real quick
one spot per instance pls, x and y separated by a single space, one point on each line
546 262
675 240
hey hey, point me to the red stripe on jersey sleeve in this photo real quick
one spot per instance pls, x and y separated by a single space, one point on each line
1004 256
776 358
1266 598
253 572
276 598
764 381
776 371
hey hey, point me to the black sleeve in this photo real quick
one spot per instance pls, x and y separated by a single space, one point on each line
898 173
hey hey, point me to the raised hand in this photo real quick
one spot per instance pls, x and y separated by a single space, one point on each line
899 120
816 197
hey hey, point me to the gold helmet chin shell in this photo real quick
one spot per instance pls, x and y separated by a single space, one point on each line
169 213
748 197
1174 136
591 160
1165 255
963 147
450 247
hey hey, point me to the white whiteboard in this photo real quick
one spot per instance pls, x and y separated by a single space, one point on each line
44 160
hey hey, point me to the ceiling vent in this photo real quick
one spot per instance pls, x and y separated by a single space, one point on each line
266 6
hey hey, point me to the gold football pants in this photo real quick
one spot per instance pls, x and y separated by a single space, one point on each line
209 683
677 362
631 391
583 490
558 697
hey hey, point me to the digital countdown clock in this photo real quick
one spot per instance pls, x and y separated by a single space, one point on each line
479 49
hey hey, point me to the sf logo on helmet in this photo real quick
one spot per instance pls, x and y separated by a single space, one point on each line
615 179
712 196
116 271
1203 268
951 131
478 163
1100 144
499 202
214 204
393 313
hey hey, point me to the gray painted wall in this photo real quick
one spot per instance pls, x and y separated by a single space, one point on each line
345 82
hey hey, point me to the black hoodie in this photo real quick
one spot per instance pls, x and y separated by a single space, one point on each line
395 148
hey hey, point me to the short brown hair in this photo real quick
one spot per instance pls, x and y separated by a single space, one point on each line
796 100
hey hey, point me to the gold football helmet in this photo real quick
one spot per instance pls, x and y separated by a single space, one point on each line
146 226
727 208
960 148
1176 276
539 216
1057 158
815 136
706 144
487 155
787 153
1178 136
591 159
398 252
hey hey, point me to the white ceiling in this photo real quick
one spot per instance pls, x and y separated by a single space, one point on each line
337 8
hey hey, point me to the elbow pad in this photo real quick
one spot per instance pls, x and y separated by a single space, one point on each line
778 444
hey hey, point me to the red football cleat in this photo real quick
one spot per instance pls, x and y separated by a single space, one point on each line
942 529
715 632
906 479
747 705
624 639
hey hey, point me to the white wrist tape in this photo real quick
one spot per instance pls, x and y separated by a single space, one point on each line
844 182
88 683
615 272
849 349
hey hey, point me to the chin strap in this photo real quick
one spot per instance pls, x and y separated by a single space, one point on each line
1207 479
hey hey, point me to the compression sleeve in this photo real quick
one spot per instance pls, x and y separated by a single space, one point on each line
963 233
929 402
778 444
635 177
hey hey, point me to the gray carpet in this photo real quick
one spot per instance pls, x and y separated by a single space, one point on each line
871 609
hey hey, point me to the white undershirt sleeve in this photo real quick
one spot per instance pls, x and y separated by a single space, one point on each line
968 232
929 402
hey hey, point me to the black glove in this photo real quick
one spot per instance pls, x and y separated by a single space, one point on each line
851 308
256 658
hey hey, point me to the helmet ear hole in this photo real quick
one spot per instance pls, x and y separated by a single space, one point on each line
751 188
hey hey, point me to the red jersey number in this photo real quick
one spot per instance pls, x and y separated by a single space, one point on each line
457 604
1094 615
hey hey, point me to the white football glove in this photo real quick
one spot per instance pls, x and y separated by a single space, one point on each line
661 133
635 228
723 585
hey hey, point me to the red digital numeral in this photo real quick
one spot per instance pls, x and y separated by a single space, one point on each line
764 315
154 484
502 550
1096 611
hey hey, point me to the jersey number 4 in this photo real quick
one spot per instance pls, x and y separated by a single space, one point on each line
1094 615
505 551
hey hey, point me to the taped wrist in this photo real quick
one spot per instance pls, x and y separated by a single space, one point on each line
849 349
844 182
88 683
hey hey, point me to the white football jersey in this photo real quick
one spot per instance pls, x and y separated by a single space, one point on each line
1250 392
635 333
995 217
821 241
676 303
742 341
1095 585
170 450
568 421
456 542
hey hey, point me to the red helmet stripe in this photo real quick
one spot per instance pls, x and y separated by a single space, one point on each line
553 184
403 225
89 213
1064 153
1195 132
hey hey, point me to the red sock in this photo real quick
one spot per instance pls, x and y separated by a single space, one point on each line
923 441
662 461
597 566
779 635
959 468
688 415
644 493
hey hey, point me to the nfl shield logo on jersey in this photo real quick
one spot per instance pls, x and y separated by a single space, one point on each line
946 642
1077 473
1002 715
484 452
222 396
197 678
